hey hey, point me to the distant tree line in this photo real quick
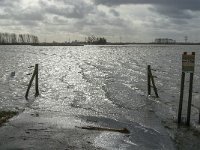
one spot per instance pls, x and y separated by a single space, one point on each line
12 38
96 40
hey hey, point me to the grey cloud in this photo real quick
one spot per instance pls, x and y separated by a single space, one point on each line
9 3
69 9
104 25
114 12
68 12
27 17
59 21
84 17
173 12
181 4
29 23
32 15
170 8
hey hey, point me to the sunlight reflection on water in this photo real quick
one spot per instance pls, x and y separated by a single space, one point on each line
108 81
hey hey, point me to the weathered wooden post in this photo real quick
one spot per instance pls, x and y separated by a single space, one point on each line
181 97
154 85
188 61
36 81
199 116
150 78
35 73
190 89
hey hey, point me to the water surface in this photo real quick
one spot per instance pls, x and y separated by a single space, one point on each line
104 86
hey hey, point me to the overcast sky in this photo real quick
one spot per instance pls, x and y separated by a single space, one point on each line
133 20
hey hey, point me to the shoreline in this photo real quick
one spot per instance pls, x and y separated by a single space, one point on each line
108 44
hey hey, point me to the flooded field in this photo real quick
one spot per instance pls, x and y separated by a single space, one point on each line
104 86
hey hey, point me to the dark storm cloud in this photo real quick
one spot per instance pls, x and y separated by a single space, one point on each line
180 4
171 8
174 12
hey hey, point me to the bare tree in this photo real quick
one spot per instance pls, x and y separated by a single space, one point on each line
12 38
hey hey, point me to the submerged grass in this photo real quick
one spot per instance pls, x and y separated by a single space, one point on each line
5 115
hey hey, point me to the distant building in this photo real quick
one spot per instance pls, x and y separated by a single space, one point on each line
75 41
164 41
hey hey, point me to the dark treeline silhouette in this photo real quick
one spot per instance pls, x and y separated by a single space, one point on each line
12 38
96 40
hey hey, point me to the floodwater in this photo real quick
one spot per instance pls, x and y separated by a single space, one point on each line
102 86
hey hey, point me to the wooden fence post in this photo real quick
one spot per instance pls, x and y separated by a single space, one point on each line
36 81
199 116
190 96
35 73
153 83
149 80
181 97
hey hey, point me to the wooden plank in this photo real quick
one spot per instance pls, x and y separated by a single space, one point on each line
124 130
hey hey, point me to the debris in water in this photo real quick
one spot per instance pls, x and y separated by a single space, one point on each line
30 66
12 74
124 130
